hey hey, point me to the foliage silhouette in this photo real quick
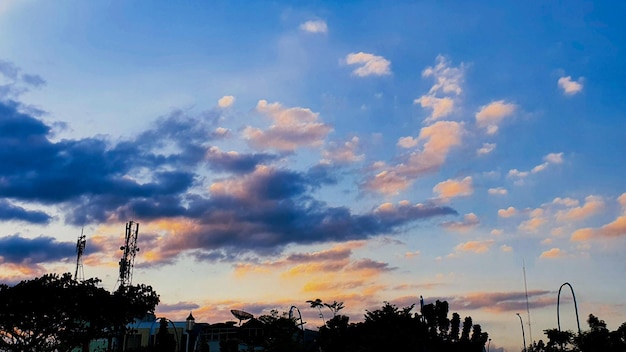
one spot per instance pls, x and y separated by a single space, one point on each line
597 338
57 313
391 328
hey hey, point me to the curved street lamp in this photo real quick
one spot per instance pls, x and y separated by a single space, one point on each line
173 326
523 335
558 303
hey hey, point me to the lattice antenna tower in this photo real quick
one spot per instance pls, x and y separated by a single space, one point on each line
79 274
129 249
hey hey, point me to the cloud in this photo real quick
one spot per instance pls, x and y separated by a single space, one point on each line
507 213
437 140
499 191
506 248
552 253
549 159
504 301
266 210
490 115
470 221
447 79
622 200
614 229
570 87
316 26
486 149
10 212
407 142
593 205
173 307
226 101
454 188
371 65
293 128
20 250
441 107
342 154
13 83
477 247
235 162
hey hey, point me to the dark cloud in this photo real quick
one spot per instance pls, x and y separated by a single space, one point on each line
277 210
369 264
16 83
236 162
20 250
161 173
504 301
165 308
9 212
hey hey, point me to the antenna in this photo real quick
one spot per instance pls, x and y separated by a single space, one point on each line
241 315
130 249
80 248
530 330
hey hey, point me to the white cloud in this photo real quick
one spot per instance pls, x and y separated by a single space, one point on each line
226 101
499 191
344 153
507 213
486 148
441 106
407 142
293 128
447 79
489 116
317 26
570 87
371 65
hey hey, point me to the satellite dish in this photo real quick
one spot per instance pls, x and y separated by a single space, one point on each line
241 315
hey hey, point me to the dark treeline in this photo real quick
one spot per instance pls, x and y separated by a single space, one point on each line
57 313
391 328
597 339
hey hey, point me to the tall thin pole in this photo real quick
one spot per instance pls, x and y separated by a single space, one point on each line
530 330
523 336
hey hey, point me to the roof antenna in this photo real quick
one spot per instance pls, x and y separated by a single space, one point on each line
530 331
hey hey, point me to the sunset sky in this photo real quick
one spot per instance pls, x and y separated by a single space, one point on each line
275 152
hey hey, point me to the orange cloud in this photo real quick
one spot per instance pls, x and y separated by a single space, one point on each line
507 213
454 188
614 229
552 253
475 246
592 206
491 115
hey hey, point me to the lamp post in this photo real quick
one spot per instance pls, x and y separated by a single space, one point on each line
523 335
190 322
488 343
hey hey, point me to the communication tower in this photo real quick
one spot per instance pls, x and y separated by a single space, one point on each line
130 249
79 274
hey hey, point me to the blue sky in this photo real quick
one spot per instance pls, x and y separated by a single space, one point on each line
277 152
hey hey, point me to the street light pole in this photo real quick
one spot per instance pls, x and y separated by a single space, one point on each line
523 335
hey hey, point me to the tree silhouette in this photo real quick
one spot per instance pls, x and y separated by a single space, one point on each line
317 303
57 313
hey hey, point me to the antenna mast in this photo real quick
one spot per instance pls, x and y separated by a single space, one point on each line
130 249
80 248
530 330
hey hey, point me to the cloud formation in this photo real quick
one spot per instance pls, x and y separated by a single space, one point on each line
370 64
491 115
314 26
570 87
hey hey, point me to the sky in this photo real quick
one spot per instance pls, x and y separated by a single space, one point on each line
275 152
